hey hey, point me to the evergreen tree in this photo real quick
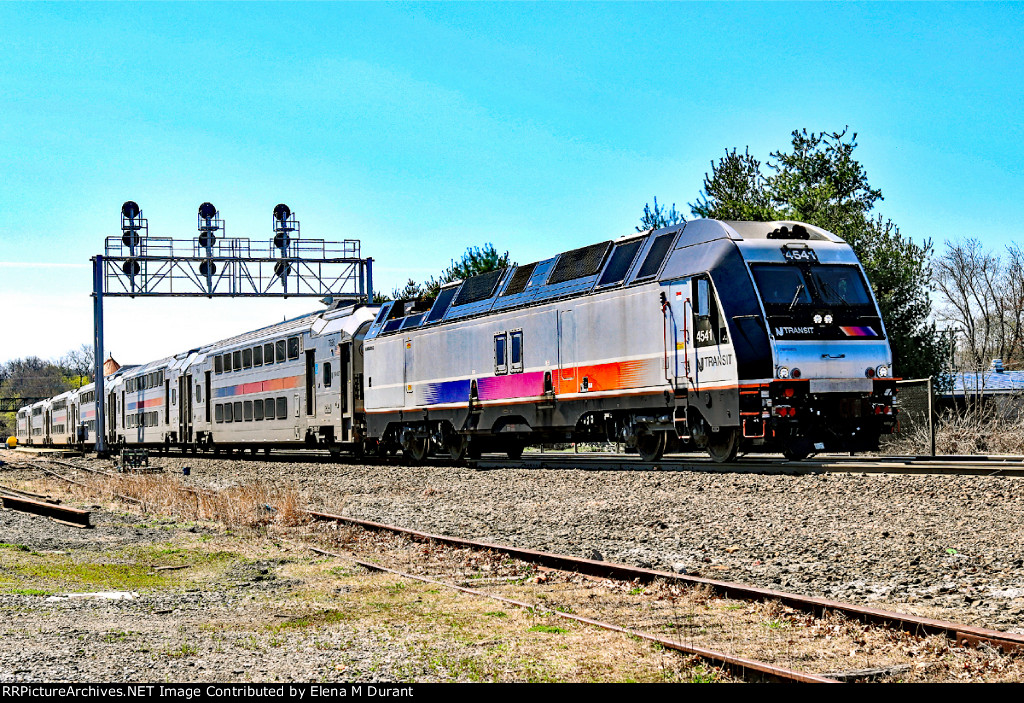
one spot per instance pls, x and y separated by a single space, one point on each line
820 182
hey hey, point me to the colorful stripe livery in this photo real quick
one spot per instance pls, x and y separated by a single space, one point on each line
150 403
445 392
517 385
601 377
275 384
617 375
859 331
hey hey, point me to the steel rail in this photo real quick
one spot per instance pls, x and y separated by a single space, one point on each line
71 516
738 665
950 465
960 633
868 465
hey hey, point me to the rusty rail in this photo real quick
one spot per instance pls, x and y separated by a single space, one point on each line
962 634
71 516
748 669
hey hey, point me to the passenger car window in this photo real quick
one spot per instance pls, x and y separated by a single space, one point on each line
516 352
500 358
327 374
293 347
280 351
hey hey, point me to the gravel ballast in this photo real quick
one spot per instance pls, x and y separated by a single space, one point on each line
941 546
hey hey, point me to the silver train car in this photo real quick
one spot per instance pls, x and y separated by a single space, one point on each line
709 336
714 336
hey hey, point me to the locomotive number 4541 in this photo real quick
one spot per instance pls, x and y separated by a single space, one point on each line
800 255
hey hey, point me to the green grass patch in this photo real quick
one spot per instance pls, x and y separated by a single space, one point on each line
321 619
549 629
28 592
182 651
497 614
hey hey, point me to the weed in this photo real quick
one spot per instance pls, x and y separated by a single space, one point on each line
29 592
326 617
550 629
702 674
497 614
184 650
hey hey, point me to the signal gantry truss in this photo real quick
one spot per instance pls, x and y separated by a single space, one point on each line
215 265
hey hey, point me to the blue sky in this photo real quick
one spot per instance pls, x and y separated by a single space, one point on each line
424 129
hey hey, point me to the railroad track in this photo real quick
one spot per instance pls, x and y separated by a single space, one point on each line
962 634
955 466
1008 466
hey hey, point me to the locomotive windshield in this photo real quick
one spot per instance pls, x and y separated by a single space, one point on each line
818 284
817 301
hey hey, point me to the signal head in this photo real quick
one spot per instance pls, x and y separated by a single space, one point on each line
282 212
130 209
207 211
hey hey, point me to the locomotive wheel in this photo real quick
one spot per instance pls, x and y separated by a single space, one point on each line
418 450
651 447
723 445
458 446
514 451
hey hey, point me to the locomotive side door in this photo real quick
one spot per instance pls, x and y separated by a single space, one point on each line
566 352
678 323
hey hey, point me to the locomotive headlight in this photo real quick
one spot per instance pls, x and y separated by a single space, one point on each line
882 371
817 319
828 319
783 372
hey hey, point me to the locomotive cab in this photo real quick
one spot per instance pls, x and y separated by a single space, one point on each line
831 385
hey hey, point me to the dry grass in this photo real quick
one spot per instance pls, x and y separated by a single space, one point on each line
252 505
977 429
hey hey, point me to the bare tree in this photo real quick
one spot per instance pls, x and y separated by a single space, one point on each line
79 364
983 298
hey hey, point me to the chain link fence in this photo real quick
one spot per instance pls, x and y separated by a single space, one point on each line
915 429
